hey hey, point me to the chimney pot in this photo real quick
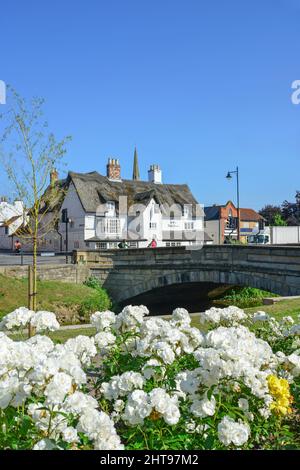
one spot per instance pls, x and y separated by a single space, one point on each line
113 169
154 174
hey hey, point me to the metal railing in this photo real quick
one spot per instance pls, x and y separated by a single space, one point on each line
25 258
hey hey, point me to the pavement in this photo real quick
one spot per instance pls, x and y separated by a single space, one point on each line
13 259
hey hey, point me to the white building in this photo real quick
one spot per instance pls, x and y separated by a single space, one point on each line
98 212
11 218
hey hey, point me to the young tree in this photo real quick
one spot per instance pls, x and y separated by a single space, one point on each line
278 221
29 154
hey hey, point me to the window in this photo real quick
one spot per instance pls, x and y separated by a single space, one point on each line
152 225
189 226
110 206
113 245
186 210
113 226
101 246
87 244
168 244
6 230
110 226
72 224
76 244
133 244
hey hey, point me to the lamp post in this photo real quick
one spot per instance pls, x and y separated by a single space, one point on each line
65 219
229 177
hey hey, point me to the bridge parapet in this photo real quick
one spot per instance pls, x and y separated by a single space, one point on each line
129 272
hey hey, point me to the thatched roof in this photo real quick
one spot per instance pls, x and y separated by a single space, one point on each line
94 189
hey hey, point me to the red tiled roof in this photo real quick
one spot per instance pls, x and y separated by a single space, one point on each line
250 215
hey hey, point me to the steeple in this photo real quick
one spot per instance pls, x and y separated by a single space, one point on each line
136 171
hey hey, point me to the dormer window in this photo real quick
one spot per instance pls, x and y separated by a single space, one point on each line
187 210
110 207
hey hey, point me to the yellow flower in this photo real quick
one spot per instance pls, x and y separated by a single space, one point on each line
280 391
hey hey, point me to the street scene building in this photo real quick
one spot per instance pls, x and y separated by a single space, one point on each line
221 223
11 218
99 212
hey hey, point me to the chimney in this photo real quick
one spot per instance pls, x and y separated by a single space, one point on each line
3 199
154 174
19 206
113 169
53 176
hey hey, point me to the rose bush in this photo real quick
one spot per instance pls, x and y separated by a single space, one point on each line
146 383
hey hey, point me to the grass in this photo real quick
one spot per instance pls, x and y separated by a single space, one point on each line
59 336
54 296
280 309
63 335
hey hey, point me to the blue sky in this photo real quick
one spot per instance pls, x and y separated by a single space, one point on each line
199 86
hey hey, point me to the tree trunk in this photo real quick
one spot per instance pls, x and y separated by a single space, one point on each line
34 267
30 278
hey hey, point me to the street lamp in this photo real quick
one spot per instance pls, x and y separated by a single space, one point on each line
229 177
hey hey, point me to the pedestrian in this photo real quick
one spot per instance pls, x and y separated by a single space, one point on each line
122 244
18 246
153 243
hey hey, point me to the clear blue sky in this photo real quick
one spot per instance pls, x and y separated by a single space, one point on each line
199 86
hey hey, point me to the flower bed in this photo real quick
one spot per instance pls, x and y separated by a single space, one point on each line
145 383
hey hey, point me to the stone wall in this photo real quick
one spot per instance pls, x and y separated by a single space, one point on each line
65 273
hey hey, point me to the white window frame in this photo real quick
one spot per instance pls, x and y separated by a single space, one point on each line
110 207
113 245
189 226
101 245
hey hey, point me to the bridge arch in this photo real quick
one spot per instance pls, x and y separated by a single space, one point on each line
248 279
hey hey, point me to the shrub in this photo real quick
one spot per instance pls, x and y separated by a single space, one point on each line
243 297
154 384
100 300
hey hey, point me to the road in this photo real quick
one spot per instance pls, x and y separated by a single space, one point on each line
12 259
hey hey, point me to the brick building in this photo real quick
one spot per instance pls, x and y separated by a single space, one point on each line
221 222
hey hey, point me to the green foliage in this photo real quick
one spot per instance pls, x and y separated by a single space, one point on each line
93 282
243 297
98 302
278 221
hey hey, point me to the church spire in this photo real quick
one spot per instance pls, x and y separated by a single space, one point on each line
136 171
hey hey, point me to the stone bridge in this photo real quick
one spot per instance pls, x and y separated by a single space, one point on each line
128 273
